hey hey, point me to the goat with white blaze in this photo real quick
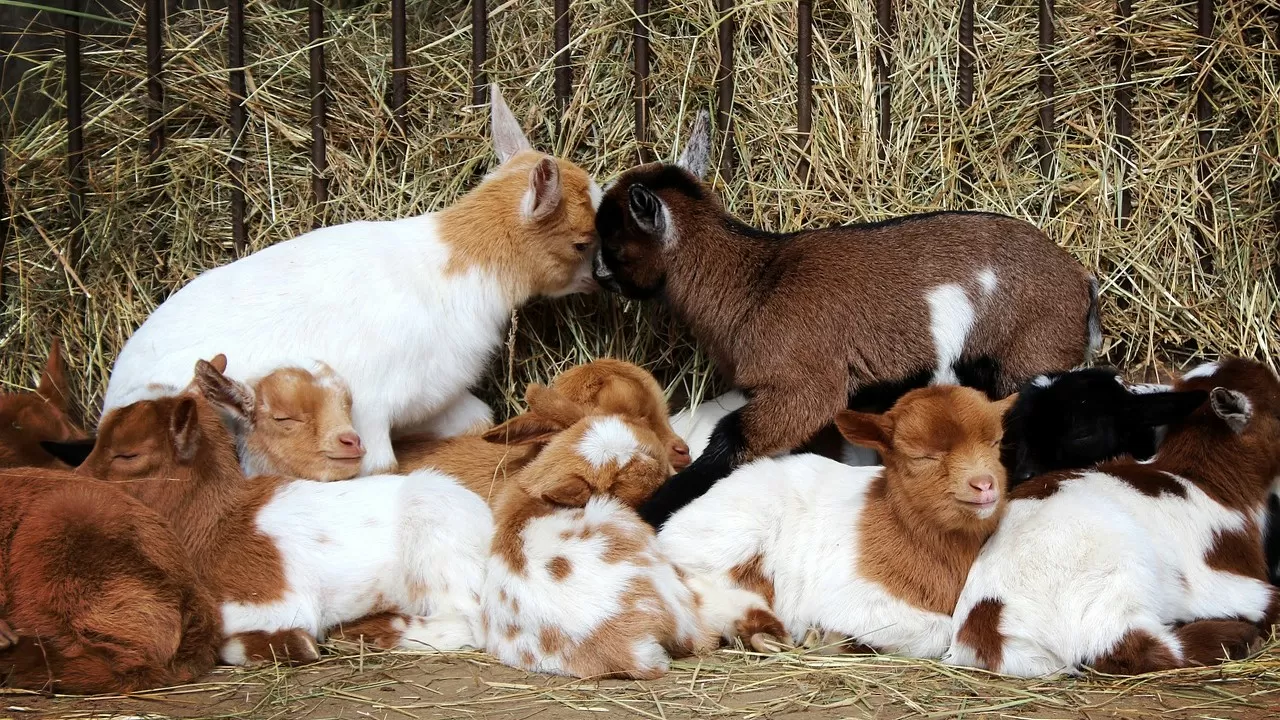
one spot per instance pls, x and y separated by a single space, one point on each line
1135 566
408 311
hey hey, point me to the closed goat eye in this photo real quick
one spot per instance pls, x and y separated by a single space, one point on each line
582 246
287 421
125 456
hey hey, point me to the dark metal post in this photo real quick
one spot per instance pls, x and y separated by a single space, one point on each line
965 71
399 68
724 87
641 35
564 71
1204 118
155 79
1047 89
4 212
75 132
804 81
319 164
239 92
1124 106
884 92
479 50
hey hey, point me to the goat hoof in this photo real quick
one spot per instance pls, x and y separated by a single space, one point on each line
8 638
770 644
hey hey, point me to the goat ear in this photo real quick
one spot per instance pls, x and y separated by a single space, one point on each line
219 362
184 429
72 453
529 428
549 403
231 395
508 137
647 210
697 148
53 385
1164 408
1231 406
1005 405
543 197
570 490
866 429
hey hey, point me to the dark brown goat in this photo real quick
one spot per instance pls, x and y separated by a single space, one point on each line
30 418
98 594
803 321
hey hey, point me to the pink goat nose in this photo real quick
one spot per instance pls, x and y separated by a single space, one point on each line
982 483
350 439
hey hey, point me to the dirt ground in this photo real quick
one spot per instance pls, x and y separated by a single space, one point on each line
352 686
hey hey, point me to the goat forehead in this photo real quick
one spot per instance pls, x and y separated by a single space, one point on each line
608 439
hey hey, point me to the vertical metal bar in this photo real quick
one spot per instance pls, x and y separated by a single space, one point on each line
964 69
1124 106
239 92
641 35
155 79
479 49
884 92
724 86
399 67
1047 89
564 71
1204 133
804 80
4 211
319 164
75 132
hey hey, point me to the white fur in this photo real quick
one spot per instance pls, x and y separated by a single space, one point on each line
371 299
464 415
1201 371
589 597
1043 381
987 279
417 543
1098 558
800 514
951 318
608 440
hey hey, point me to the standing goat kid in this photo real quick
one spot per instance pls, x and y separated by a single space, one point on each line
576 584
408 311
804 320
1137 567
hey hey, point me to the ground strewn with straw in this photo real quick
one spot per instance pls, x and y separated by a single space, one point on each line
1193 272
730 683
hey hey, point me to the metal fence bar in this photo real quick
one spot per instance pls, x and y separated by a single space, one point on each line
235 61
155 16
1124 105
399 68
804 81
724 86
884 91
564 71
1047 89
640 32
319 163
479 49
964 68
75 132
4 210
1204 117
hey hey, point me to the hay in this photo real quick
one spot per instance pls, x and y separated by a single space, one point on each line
1175 284
729 683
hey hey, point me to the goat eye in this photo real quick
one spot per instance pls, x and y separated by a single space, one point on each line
582 246
125 456
926 458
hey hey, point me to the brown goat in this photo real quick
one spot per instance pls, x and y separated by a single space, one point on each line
803 321
99 596
29 418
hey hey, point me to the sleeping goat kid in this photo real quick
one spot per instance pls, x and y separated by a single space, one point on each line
407 311
576 584
802 321
876 554
29 419
293 422
1136 567
401 557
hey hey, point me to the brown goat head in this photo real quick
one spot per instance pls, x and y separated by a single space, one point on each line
941 451
28 419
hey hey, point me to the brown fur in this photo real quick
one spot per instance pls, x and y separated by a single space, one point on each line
1238 552
803 319
750 575
917 534
981 631
559 567
1144 479
1039 487
1136 653
531 256
380 630
1209 642
99 595
481 466
29 418
282 646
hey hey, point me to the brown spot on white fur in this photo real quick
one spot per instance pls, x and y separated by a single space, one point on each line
382 630
750 575
1238 552
559 567
1136 652
940 495
981 631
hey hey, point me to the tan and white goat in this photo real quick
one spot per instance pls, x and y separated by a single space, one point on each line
290 560
875 554
576 584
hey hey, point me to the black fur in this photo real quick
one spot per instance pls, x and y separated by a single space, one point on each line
1085 417
725 450
72 453
980 373
1271 541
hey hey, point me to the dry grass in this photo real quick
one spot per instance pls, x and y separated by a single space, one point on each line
1177 281
730 683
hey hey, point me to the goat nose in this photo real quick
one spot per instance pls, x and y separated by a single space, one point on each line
351 440
982 483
